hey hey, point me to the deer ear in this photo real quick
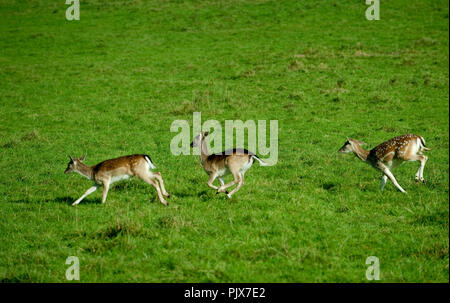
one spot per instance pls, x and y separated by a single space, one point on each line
83 157
352 142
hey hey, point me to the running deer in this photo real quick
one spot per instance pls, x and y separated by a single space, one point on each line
391 154
236 161
113 170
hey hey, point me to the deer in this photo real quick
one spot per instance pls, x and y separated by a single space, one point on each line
113 170
233 161
391 154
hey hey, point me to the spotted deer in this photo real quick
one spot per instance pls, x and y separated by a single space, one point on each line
391 154
113 170
234 161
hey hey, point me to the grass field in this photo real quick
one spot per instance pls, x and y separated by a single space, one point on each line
112 83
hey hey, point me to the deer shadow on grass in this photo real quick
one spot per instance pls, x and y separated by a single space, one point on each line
203 195
184 194
69 200
64 199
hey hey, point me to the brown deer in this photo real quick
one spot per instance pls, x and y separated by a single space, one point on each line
391 154
113 170
233 161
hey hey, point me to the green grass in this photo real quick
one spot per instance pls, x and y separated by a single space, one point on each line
112 83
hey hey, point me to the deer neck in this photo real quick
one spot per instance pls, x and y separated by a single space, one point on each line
203 151
360 152
85 170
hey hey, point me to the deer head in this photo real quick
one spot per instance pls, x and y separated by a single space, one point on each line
74 163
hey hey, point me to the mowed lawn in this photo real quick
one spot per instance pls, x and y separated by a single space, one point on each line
112 83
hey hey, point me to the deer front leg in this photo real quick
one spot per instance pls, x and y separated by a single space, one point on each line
211 179
223 188
388 173
105 190
221 184
88 192
383 181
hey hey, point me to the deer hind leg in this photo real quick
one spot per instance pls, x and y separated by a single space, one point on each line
388 173
241 182
161 184
221 181
155 184
148 179
419 174
88 192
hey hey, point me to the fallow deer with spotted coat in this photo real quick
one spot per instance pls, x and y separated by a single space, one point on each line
391 154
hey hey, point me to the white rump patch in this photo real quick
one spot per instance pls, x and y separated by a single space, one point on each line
418 146
150 164
423 141
246 166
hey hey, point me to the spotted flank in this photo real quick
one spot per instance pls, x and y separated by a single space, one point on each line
400 145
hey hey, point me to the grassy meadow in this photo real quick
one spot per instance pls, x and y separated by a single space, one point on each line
112 83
